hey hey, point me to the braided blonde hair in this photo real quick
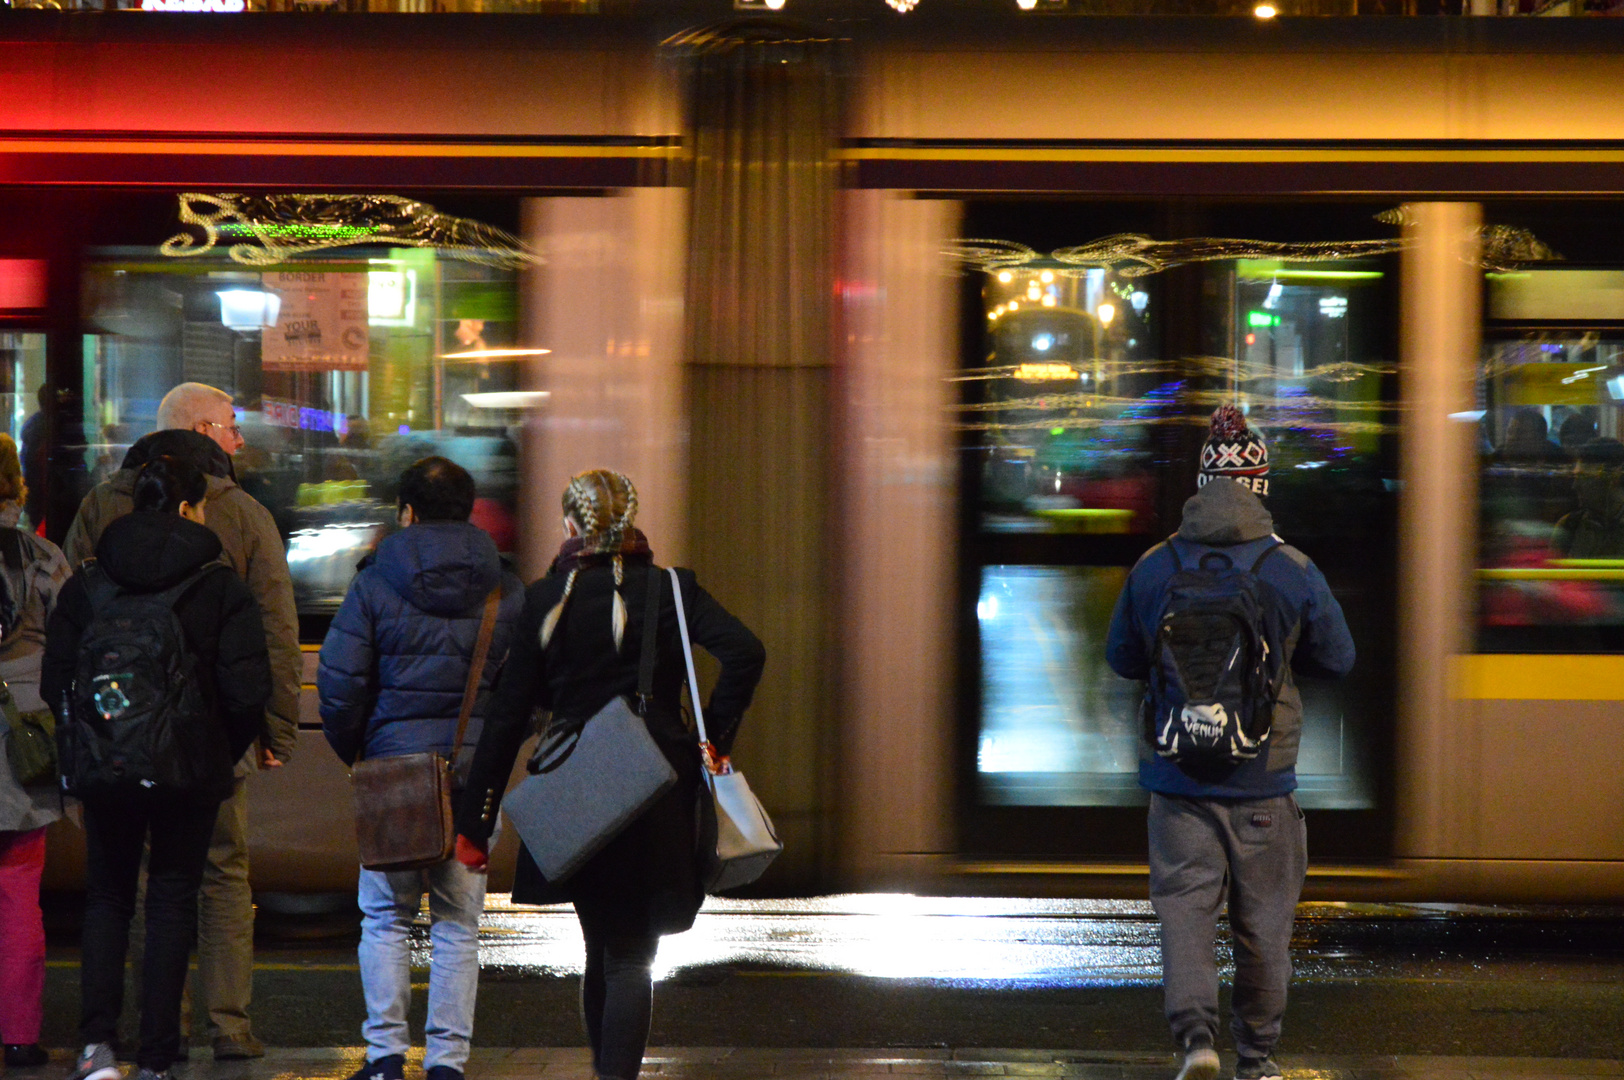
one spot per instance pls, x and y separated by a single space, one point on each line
604 504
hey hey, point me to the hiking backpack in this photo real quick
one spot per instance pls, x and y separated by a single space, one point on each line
1216 665
137 714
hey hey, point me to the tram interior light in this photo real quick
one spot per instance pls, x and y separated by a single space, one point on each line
1274 295
1106 313
1139 300
248 309
1615 388
1265 11
391 297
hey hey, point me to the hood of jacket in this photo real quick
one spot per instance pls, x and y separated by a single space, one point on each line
1222 513
440 567
149 550
192 446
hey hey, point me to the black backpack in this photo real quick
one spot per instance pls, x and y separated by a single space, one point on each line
138 714
1217 663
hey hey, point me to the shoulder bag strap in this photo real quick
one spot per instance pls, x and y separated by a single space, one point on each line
688 656
476 667
651 641
1172 549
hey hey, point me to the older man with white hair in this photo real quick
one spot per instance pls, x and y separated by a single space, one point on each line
197 422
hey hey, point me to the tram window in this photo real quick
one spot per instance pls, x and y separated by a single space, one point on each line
1084 409
344 367
1069 390
1551 395
22 385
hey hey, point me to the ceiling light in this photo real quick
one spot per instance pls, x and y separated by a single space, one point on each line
1265 10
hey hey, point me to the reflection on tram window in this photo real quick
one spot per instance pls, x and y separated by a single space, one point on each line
1058 728
1084 430
23 393
1552 490
1065 401
343 369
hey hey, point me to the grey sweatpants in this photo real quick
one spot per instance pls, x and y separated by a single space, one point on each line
1254 855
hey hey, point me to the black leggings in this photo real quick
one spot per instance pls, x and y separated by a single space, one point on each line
617 998
115 831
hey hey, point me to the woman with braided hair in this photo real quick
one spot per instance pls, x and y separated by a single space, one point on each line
578 646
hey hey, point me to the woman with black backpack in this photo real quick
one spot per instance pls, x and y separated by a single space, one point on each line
156 665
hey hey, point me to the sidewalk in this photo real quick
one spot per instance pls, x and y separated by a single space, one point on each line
739 1063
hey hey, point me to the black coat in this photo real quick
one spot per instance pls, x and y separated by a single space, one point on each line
148 551
646 880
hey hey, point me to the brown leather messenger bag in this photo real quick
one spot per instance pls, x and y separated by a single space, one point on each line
403 803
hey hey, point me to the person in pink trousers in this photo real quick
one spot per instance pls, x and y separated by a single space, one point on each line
31 572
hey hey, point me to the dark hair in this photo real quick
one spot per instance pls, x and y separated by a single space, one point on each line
437 489
167 481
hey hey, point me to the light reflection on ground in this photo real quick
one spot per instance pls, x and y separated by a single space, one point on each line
889 936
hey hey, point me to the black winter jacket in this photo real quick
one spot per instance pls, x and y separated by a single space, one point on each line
149 551
645 880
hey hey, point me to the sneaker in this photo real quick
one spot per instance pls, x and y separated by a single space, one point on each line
1250 1068
238 1047
25 1055
388 1067
443 1072
97 1063
1200 1061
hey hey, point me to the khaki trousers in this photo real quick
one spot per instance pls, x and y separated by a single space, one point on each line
225 924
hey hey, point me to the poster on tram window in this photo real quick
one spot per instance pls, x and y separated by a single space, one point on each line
322 325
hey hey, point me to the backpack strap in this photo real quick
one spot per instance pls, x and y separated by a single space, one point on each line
172 596
1270 550
1178 564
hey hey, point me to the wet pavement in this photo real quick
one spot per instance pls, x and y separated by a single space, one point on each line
916 984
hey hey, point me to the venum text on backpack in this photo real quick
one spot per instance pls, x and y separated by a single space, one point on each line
139 715
1217 663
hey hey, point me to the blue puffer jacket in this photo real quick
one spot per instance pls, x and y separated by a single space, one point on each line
395 661
1228 517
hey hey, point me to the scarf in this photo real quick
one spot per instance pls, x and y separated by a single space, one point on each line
580 552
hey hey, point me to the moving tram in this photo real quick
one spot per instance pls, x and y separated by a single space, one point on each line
907 328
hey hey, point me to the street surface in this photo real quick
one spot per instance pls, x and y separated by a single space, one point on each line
923 978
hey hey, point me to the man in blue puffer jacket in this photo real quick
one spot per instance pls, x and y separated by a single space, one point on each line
393 670
1230 833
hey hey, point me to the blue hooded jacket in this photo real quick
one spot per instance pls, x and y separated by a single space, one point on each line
395 661
1227 516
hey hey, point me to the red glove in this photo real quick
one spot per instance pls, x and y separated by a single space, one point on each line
471 854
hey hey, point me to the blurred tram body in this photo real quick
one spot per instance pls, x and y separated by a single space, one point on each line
807 423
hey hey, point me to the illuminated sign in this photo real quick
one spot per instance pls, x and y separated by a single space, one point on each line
1261 318
22 283
1045 372
290 414
229 7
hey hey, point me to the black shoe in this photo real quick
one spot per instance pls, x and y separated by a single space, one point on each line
388 1067
25 1055
1263 1068
443 1072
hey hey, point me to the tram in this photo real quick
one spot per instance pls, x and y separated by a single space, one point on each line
906 326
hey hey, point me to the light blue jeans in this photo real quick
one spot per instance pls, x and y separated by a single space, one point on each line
389 902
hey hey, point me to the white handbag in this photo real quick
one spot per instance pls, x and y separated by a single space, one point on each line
745 839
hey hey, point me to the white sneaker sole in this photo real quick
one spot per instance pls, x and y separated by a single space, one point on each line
111 1072
1199 1065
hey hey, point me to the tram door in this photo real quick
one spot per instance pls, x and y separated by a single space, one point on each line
1086 395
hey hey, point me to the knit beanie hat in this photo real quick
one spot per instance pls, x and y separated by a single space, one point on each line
1235 451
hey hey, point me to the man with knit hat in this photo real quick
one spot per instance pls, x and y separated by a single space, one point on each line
1216 619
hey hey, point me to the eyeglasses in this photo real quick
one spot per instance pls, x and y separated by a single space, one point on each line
235 429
